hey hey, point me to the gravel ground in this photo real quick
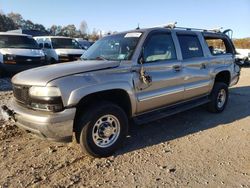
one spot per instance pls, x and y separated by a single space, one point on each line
191 149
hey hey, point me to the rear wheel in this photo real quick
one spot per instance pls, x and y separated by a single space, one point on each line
102 129
219 98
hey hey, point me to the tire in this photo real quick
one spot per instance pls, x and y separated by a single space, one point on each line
101 129
52 61
1 73
218 97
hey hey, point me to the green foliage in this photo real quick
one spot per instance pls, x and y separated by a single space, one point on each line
14 21
6 23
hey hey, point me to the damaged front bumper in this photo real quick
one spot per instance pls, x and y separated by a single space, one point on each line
54 126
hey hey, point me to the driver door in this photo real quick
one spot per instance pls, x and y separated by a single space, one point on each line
159 80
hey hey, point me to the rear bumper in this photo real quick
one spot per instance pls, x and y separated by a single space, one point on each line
54 126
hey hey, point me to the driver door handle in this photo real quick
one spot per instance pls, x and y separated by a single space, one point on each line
177 68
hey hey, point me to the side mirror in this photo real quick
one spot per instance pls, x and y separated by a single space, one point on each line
40 45
47 46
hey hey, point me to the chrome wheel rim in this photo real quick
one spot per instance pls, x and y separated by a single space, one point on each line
106 131
221 99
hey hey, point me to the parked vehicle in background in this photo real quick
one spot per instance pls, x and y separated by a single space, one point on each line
144 75
85 44
19 52
243 56
31 32
59 49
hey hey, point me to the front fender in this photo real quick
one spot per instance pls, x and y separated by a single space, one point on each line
82 92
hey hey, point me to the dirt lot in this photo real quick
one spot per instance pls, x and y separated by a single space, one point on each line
191 149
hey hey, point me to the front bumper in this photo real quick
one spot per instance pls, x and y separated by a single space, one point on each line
54 126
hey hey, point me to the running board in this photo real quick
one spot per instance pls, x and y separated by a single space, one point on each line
168 111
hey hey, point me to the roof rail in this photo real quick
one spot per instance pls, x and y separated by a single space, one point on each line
173 26
215 30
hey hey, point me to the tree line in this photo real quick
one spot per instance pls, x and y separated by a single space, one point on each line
14 21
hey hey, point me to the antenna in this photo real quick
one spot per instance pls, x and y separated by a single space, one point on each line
138 26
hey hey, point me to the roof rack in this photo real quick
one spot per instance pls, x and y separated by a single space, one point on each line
173 26
215 30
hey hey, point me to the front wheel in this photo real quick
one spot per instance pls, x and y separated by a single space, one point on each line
102 129
219 98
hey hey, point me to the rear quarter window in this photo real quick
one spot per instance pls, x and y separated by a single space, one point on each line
218 46
190 46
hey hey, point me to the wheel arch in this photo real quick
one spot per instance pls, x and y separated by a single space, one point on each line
223 76
118 96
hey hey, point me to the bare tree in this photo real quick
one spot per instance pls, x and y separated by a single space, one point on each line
83 27
17 19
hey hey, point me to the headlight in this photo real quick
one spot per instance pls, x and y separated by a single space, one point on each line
45 98
37 91
9 59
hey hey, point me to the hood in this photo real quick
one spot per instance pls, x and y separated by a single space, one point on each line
22 52
42 75
69 51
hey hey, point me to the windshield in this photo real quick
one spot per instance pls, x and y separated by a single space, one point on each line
115 47
65 43
84 44
25 42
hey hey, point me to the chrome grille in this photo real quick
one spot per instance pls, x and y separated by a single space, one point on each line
21 94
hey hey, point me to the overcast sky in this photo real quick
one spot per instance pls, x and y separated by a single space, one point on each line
123 15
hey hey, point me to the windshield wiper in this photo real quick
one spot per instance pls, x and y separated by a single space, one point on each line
101 58
96 58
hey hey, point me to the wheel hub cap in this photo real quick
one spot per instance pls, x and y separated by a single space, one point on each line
106 131
221 99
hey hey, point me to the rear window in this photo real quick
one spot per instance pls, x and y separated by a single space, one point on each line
190 46
218 46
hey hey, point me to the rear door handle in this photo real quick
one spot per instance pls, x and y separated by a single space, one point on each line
203 66
177 68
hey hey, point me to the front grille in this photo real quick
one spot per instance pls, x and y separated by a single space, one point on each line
21 94
27 60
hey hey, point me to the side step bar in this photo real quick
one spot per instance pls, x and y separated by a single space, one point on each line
168 111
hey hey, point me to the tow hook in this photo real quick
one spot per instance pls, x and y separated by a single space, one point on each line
10 113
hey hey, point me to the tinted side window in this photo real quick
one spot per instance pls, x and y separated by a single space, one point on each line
159 47
190 46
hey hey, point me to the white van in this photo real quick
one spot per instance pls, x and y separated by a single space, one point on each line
60 49
19 52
